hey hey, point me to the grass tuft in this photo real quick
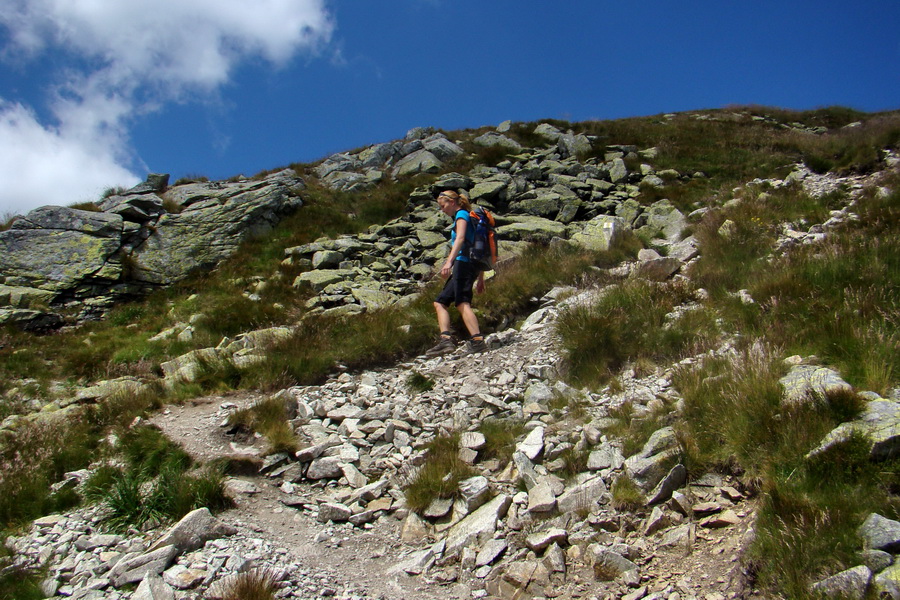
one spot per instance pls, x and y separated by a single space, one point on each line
418 383
626 495
500 438
440 475
269 417
256 584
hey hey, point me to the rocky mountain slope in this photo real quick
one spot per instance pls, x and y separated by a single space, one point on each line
541 519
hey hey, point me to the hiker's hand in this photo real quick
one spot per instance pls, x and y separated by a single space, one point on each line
446 270
479 285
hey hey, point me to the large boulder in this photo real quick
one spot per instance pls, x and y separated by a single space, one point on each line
442 148
879 422
57 249
602 233
211 228
193 530
420 161
804 383
648 467
493 139
529 228
662 219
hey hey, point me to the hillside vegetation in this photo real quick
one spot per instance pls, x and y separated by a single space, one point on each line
837 300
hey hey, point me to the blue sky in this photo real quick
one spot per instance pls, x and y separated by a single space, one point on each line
98 93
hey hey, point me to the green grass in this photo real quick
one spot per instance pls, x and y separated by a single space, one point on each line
810 508
159 483
148 450
628 322
732 255
134 499
440 475
850 287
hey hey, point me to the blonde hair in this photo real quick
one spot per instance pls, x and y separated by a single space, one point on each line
461 198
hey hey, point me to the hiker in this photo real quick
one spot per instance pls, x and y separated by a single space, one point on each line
461 274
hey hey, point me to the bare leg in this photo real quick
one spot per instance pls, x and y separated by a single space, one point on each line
468 317
443 316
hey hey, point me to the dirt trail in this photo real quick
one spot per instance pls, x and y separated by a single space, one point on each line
358 561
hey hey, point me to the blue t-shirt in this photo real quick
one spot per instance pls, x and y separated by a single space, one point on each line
470 233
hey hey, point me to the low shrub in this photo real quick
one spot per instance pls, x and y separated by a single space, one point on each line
633 427
18 583
574 461
37 457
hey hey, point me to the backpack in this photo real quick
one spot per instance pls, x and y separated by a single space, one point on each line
483 250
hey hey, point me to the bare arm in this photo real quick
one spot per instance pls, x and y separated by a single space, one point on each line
456 249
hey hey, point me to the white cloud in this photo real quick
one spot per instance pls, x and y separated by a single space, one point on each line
141 53
40 166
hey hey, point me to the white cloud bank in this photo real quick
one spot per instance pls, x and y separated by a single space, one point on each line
140 54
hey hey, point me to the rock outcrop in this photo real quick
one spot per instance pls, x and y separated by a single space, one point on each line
139 240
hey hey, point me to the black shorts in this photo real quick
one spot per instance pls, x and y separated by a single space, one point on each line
458 288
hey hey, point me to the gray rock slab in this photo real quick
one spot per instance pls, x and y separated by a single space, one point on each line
473 440
879 422
533 444
193 530
542 540
478 526
602 233
606 456
887 582
527 472
474 492
582 496
541 498
881 533
490 551
675 479
847 585
326 467
334 512
609 565
134 569
153 588
805 380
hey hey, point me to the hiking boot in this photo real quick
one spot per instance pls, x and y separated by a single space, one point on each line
444 346
475 346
